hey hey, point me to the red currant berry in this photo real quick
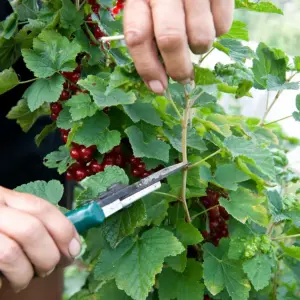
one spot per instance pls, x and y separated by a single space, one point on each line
77 165
65 95
115 10
95 167
214 214
98 33
136 173
119 161
117 150
66 85
224 213
146 174
65 138
213 225
92 2
86 154
69 176
109 159
54 116
134 161
80 174
75 153
206 202
89 18
95 8
205 234
56 108
75 77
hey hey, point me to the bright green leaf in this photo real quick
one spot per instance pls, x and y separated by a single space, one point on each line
70 17
10 25
276 206
204 76
260 6
238 31
110 291
292 251
187 233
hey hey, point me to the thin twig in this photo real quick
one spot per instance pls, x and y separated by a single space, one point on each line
28 81
184 154
273 122
205 56
204 211
204 159
78 5
285 237
169 97
82 3
274 102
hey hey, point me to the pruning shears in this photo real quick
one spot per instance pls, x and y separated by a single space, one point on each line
117 198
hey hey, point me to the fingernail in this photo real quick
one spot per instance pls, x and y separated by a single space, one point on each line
18 290
74 248
185 81
156 86
43 275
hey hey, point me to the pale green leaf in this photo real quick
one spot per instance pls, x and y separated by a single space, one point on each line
9 26
274 83
258 6
259 270
70 17
187 233
238 31
8 80
276 206
182 286
110 291
204 76
64 120
292 251
152 149
51 191
135 263
244 205
44 90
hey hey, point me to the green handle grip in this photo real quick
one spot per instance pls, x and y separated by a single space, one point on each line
86 217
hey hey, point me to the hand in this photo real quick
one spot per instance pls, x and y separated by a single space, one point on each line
173 26
34 236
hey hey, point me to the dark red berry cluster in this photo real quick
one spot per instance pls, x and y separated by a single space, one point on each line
206 297
119 6
138 168
217 217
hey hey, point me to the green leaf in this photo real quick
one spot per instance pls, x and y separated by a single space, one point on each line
156 206
153 148
108 140
228 176
263 7
244 205
204 76
9 26
51 191
97 184
259 271
122 224
70 17
134 263
143 111
187 233
296 116
276 206
292 251
298 102
267 64
110 291
238 31
178 262
274 83
234 49
51 53
97 87
297 63
81 106
260 157
44 90
25 118
64 120
193 139
9 52
182 286
220 272
8 80
59 160
44 133
26 9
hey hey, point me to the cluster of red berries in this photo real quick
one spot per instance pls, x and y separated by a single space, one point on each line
70 88
119 6
138 168
217 216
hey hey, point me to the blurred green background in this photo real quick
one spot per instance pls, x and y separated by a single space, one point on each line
276 30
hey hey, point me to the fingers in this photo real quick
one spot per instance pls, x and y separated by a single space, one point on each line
30 234
139 35
200 25
14 264
170 33
55 223
222 14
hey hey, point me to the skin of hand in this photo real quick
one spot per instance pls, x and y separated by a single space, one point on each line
35 237
173 27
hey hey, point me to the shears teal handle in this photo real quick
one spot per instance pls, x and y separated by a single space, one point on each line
86 217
